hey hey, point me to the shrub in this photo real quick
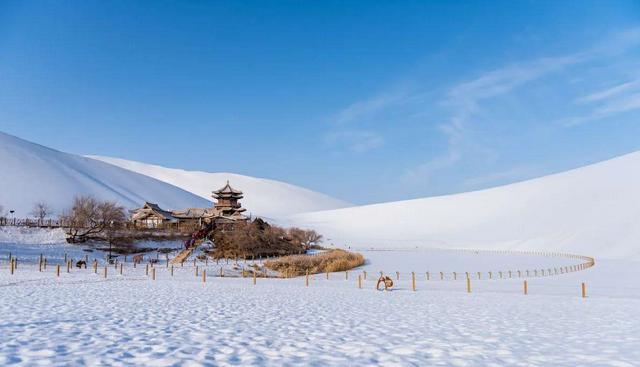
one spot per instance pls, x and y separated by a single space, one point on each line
330 261
256 238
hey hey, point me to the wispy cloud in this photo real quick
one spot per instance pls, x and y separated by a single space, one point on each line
366 108
347 128
504 80
610 92
465 99
607 103
355 141
465 109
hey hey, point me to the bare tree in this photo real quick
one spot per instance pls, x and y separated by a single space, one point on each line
305 238
89 217
41 210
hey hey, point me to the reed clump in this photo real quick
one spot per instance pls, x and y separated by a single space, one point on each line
329 261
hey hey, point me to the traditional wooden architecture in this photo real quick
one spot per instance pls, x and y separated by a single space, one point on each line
152 216
228 204
227 209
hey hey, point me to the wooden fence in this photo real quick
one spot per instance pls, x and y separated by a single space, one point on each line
58 223
202 269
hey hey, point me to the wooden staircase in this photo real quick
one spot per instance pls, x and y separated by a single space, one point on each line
184 254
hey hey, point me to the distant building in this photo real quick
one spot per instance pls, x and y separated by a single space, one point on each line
227 209
227 206
152 216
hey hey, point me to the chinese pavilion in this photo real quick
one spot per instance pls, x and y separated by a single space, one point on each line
228 205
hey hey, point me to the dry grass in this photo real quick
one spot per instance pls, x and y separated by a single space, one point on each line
330 261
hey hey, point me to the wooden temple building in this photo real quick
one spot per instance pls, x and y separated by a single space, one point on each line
226 209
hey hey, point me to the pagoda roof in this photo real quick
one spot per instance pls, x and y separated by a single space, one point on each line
148 208
227 190
193 213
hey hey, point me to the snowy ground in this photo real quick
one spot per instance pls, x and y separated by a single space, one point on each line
83 319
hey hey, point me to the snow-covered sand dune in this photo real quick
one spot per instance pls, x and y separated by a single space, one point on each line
263 197
32 173
594 210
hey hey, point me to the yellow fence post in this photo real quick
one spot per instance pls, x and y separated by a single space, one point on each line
526 288
254 277
204 275
468 285
58 270
413 280
584 290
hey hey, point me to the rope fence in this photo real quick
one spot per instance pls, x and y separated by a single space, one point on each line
203 269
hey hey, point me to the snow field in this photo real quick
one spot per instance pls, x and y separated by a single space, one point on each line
82 319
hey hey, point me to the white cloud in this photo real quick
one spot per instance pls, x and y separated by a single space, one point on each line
624 104
466 98
369 107
356 141
504 80
607 103
609 92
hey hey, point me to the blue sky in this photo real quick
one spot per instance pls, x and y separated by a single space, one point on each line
368 101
